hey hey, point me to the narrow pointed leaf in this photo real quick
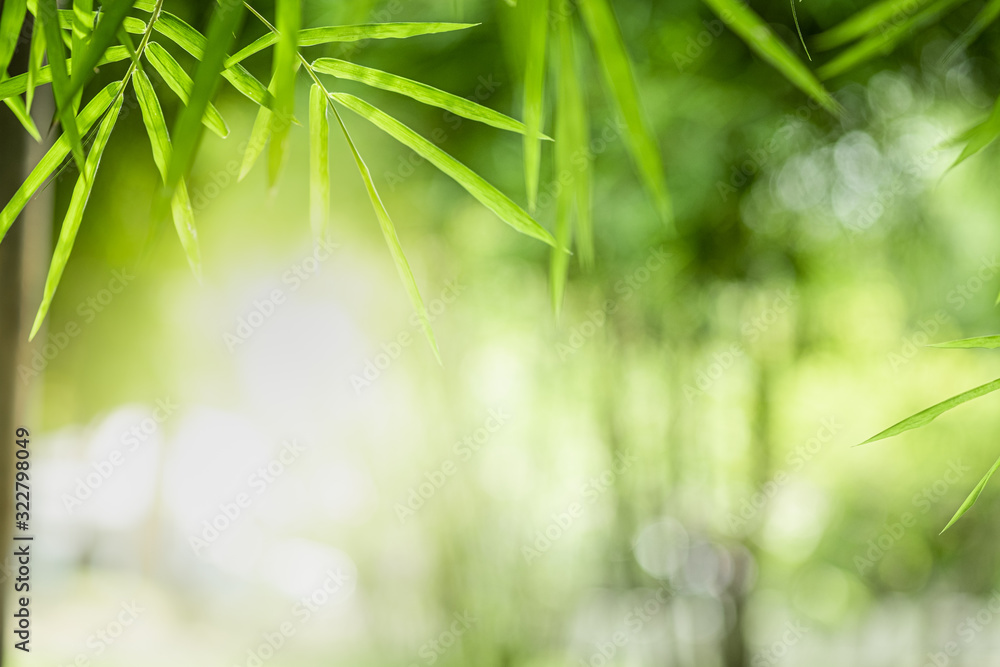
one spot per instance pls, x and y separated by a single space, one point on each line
979 137
537 13
578 161
617 67
925 417
259 136
35 57
11 21
74 214
60 77
54 157
974 496
419 92
81 23
16 85
873 17
286 60
567 126
473 183
349 33
16 105
85 59
159 141
762 40
319 161
986 16
392 240
985 342
179 82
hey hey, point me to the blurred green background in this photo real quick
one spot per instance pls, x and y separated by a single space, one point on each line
664 475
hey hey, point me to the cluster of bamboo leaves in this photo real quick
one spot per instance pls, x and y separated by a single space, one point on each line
76 41
874 32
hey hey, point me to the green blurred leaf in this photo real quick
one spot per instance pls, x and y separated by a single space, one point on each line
973 497
762 40
925 417
54 157
259 136
16 85
473 183
179 82
417 91
349 33
876 16
979 137
986 342
74 214
986 16
60 78
159 141
610 47
537 25
319 161
286 60
11 21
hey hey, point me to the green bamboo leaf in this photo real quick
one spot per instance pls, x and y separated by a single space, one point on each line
11 21
80 26
882 42
159 141
419 92
537 14
179 82
578 162
925 417
473 183
188 128
319 161
985 342
392 240
986 16
192 41
876 16
617 67
54 157
762 40
348 33
974 496
979 137
74 214
35 57
16 105
88 52
567 131
259 136
60 78
286 60
16 85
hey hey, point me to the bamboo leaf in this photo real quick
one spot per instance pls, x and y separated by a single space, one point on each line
81 22
349 33
473 183
35 56
85 59
882 42
762 40
986 16
419 92
578 161
617 67
974 496
392 240
319 161
979 137
60 78
11 21
54 157
159 141
925 417
259 136
16 85
876 16
179 82
74 214
187 128
286 60
16 105
534 95
192 41
985 342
